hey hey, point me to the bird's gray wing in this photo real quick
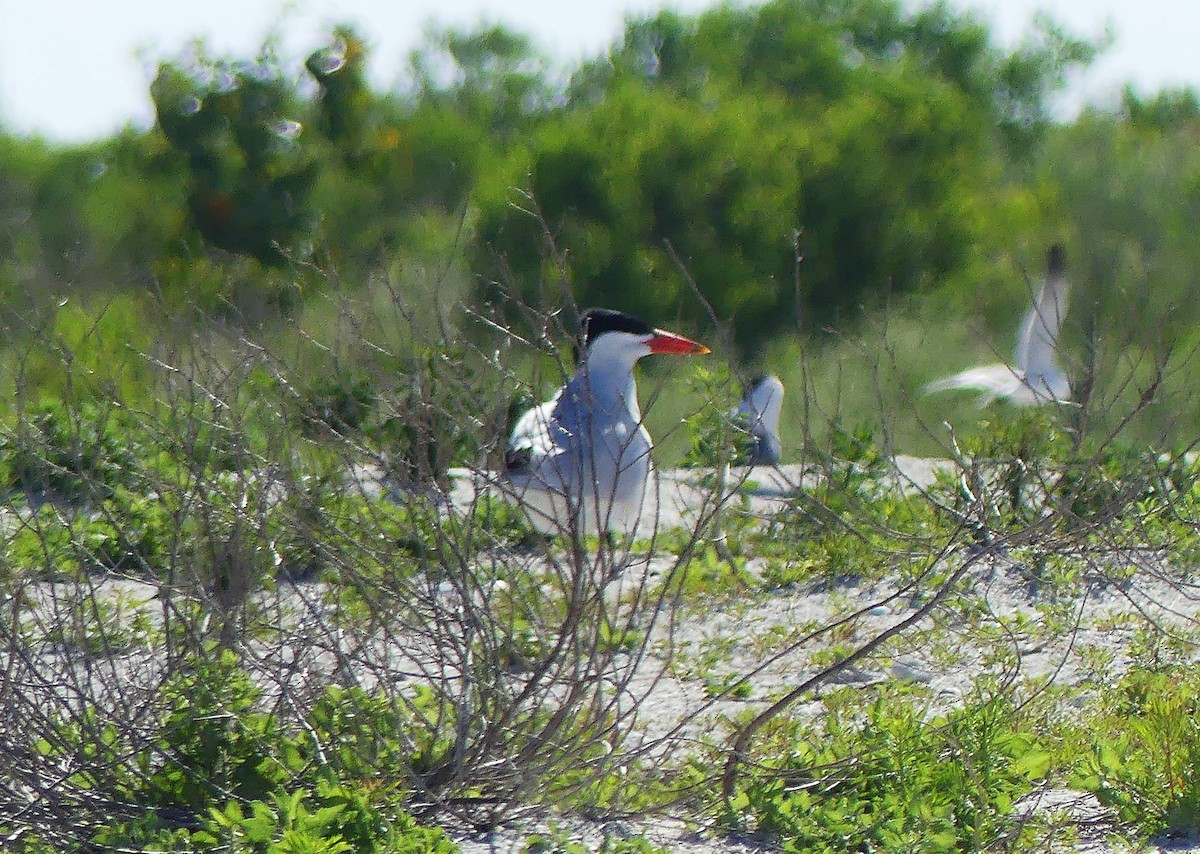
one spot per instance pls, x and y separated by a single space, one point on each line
998 380
1037 344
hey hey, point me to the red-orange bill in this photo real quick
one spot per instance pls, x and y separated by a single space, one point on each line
669 342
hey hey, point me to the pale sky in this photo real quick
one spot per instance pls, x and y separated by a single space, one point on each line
80 69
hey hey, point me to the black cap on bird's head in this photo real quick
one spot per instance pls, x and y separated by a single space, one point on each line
1056 260
755 382
595 322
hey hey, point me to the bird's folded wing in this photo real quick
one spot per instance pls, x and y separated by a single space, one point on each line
531 438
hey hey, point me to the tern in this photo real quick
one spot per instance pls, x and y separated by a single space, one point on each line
582 458
759 413
1035 377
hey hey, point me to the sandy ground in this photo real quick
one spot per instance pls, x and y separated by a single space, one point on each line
948 667
682 494
937 654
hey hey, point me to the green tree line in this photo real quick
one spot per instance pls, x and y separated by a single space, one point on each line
795 161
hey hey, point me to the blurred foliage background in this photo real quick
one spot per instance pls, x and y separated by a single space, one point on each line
861 194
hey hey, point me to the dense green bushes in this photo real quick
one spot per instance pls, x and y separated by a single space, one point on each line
880 138
892 781
219 772
796 160
859 130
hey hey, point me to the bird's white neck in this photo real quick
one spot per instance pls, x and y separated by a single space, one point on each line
606 376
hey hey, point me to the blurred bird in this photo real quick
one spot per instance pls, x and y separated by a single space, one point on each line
759 414
1036 376
583 457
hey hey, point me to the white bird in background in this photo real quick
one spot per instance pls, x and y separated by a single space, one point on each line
1036 377
759 414
583 457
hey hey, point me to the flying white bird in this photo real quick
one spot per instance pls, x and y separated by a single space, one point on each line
759 414
1035 377
583 457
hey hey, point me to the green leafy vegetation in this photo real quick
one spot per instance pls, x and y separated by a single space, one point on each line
893 781
1141 756
222 773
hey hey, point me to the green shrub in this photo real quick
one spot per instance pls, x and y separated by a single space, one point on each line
1144 756
855 521
330 818
249 782
714 436
341 403
74 453
896 781
249 175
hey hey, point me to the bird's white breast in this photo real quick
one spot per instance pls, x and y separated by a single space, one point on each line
595 466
